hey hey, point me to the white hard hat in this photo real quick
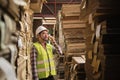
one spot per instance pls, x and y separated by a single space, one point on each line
40 29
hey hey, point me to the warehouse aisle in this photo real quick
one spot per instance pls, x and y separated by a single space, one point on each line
87 31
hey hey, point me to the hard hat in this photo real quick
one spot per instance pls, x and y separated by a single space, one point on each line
40 29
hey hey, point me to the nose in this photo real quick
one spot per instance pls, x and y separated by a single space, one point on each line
46 35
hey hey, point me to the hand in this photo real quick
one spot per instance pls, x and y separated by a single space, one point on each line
51 38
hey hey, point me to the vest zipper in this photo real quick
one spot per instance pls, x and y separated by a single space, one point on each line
49 62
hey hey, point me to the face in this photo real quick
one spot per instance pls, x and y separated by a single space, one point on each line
44 35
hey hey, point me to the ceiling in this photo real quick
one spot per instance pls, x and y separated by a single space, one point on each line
50 7
46 10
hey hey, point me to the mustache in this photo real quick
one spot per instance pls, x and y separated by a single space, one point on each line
45 38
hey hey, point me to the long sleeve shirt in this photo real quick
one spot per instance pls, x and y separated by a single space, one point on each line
33 58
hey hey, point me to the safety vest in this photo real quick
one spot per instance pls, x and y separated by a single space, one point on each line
45 62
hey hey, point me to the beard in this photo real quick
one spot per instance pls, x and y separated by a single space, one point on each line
45 38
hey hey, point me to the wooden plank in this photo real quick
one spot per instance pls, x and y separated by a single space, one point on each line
68 56
74 40
21 61
11 9
90 54
71 9
70 18
73 21
74 25
36 7
75 54
80 45
95 48
90 39
100 7
76 47
74 33
78 60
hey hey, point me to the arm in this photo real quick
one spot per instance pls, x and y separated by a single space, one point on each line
57 47
33 57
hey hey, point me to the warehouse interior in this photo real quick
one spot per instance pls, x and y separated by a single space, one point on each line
86 30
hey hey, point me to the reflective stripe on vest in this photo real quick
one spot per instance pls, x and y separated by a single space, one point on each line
43 69
45 62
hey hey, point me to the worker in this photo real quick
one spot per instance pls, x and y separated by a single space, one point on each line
42 62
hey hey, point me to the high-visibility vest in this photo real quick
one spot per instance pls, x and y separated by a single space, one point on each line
45 62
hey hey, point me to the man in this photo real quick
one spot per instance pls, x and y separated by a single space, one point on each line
43 66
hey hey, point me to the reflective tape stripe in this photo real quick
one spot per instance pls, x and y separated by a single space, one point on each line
47 69
40 62
43 70
45 61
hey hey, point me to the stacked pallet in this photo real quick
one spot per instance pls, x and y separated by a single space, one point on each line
103 48
16 36
74 37
60 67
60 39
9 14
109 48
77 68
24 44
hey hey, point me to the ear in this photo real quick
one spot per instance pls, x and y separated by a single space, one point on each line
37 36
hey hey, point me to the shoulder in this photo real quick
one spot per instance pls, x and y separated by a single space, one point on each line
49 44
